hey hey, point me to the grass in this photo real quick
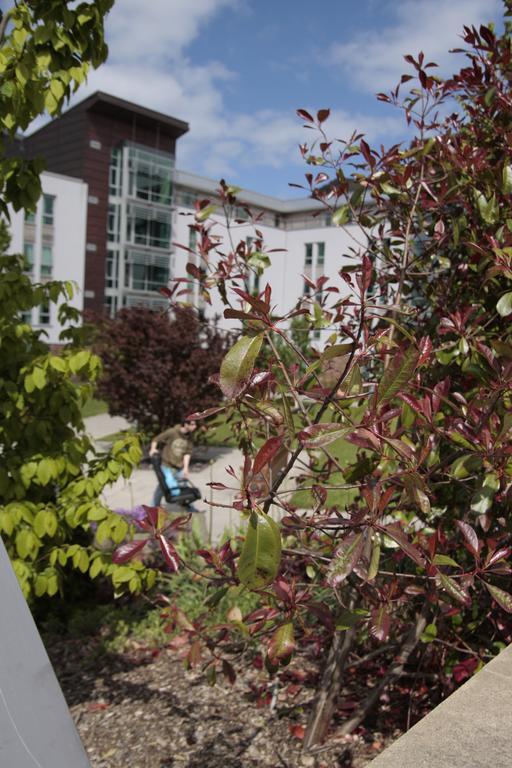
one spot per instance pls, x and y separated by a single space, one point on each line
345 453
94 407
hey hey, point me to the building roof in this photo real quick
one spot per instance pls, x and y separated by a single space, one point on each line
274 204
113 106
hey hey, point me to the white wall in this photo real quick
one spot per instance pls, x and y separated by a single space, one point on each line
68 241
287 267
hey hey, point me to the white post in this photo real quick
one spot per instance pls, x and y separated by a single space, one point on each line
36 729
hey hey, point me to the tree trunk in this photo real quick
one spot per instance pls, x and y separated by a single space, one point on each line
328 689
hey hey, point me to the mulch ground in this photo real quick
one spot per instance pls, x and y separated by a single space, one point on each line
140 710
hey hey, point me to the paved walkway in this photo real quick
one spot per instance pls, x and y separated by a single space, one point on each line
139 488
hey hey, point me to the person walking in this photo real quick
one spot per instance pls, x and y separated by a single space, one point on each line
175 447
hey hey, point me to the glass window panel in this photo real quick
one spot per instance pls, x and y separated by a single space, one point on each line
146 228
48 209
320 253
309 254
150 176
44 313
46 261
28 252
30 217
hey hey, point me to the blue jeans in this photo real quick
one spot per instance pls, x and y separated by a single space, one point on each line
172 477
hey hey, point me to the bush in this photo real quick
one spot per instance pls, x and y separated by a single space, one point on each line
156 370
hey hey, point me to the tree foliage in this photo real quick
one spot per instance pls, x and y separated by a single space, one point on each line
157 370
51 476
421 385
46 50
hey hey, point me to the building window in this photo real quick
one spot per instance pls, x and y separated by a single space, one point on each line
30 217
320 254
192 238
112 269
146 271
309 255
28 252
46 261
150 176
114 222
188 199
315 255
48 209
111 305
115 183
307 289
44 313
146 226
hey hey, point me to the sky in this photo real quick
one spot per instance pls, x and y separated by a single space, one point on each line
236 71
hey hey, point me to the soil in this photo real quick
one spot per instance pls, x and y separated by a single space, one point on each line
143 709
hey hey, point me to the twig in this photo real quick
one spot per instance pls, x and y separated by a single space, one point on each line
394 672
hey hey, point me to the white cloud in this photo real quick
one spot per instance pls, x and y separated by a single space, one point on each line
148 64
374 59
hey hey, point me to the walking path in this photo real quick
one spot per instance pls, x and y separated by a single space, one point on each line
139 488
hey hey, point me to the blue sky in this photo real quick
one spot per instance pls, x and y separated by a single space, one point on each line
236 70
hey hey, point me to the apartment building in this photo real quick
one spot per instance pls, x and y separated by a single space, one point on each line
125 154
53 242
138 206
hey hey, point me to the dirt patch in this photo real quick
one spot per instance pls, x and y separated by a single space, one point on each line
146 711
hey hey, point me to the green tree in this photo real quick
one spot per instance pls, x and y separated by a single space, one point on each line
51 475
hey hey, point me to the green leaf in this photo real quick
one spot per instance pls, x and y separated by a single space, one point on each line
507 179
345 559
373 568
445 560
504 599
282 644
205 213
504 305
96 567
341 216
320 435
489 210
454 589
58 364
39 377
238 365
483 498
397 375
349 619
429 634
260 557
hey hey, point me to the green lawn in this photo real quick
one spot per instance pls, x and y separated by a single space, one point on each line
344 453
94 407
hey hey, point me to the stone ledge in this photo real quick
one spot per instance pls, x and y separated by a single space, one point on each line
472 728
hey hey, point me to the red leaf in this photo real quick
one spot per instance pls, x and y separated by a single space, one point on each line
365 151
267 451
128 550
470 537
497 555
170 555
425 348
297 731
465 669
305 115
217 486
504 599
322 115
380 623
397 534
